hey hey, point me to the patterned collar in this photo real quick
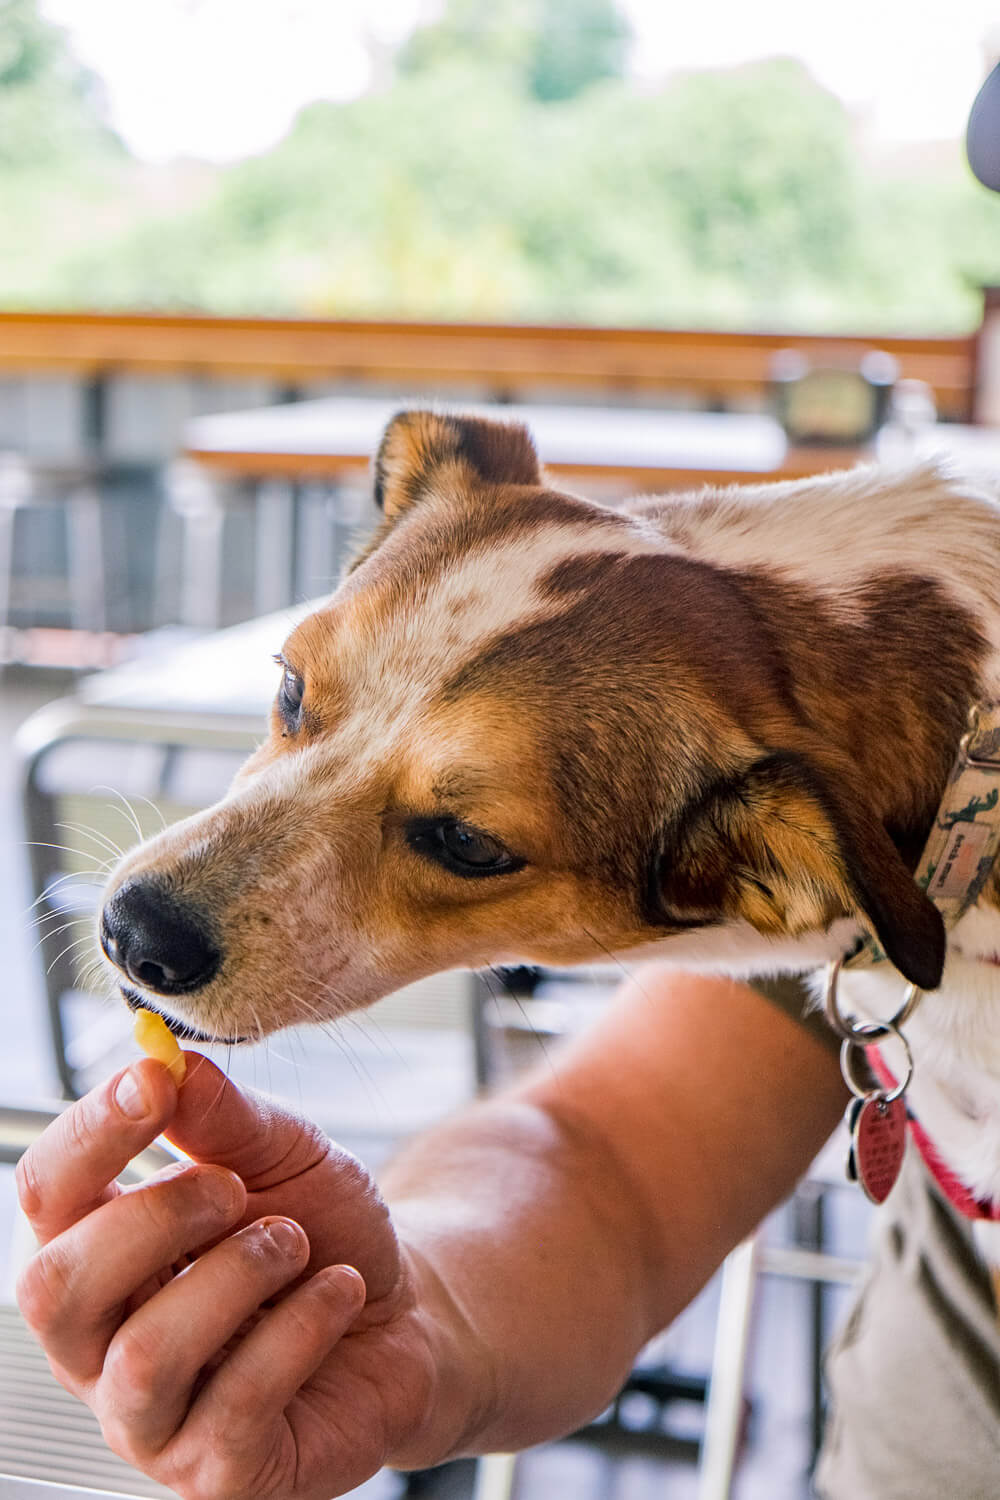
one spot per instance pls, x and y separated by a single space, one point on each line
965 839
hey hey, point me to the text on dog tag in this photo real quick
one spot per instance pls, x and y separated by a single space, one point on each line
878 1141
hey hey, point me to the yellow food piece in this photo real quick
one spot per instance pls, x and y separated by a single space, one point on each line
158 1041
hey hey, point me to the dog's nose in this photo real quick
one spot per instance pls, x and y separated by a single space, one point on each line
156 940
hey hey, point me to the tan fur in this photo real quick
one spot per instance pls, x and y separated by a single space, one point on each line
664 743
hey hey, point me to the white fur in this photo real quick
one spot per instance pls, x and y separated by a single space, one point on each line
833 533
393 673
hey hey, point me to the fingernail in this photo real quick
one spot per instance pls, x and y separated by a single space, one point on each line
223 1192
348 1282
130 1097
285 1237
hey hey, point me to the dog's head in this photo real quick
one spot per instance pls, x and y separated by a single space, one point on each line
525 728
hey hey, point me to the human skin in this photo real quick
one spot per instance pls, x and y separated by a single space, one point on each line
530 1247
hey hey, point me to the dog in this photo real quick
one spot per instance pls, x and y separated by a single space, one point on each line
710 727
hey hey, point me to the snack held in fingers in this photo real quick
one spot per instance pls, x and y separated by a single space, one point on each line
158 1041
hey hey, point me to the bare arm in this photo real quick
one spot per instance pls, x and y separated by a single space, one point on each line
538 1241
575 1218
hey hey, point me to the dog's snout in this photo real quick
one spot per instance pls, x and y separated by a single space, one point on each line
158 941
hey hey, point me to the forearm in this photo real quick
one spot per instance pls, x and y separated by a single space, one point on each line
533 1269
561 1227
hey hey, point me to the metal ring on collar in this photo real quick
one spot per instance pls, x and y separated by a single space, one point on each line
849 1028
868 1033
966 746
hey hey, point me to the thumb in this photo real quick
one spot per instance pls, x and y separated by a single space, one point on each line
258 1140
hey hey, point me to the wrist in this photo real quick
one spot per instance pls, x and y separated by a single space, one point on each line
457 1375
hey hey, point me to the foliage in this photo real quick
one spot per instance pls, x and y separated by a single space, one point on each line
486 183
552 50
50 106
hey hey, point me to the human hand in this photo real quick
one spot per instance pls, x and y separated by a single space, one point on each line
245 1325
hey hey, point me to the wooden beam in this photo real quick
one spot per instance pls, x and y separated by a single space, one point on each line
798 463
713 367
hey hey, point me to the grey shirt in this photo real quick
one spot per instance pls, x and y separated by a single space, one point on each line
914 1375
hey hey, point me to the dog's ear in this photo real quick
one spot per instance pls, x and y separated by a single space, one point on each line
423 448
774 847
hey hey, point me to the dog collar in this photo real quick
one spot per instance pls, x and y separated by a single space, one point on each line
965 839
957 860
951 1187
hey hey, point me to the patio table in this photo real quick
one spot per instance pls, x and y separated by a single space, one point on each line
285 452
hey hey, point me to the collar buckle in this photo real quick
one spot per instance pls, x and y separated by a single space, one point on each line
980 744
964 840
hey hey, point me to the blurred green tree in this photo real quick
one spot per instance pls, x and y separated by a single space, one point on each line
50 105
552 49
506 173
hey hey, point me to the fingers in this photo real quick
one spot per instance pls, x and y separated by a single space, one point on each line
156 1357
289 1167
235 1414
73 1164
73 1292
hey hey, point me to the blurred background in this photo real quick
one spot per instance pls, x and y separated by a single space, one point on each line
589 161
686 244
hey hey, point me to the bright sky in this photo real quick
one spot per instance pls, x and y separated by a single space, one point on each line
224 78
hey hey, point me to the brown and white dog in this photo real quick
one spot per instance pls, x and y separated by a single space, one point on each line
714 727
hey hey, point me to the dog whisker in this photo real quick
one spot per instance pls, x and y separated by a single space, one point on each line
373 1032
57 910
50 922
138 797
291 1061
373 1091
126 810
267 1051
296 1041
505 984
102 840
79 897
55 932
226 1078
330 1029
90 880
630 974
368 1026
55 922
364 1021
93 972
68 949
64 849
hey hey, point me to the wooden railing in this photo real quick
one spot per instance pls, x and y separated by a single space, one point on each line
716 370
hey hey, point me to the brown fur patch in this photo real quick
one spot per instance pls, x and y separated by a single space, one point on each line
416 444
464 521
667 676
784 852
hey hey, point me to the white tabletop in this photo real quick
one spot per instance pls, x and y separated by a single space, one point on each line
225 672
599 437
595 438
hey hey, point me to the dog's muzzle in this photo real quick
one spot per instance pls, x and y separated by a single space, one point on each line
157 941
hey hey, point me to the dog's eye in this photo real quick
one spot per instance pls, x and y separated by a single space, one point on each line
460 848
290 695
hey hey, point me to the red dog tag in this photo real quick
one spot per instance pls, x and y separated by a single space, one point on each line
878 1144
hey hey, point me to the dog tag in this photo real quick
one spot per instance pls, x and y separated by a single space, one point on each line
878 1141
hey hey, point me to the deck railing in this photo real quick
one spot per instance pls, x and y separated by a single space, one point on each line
114 394
717 370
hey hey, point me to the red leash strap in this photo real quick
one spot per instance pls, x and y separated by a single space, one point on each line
954 1190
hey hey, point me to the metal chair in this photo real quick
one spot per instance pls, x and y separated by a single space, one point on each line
72 491
48 1440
